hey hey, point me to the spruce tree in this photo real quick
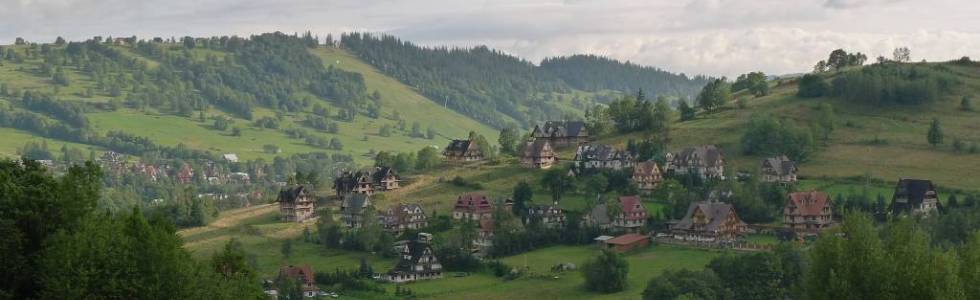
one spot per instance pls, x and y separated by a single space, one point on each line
935 135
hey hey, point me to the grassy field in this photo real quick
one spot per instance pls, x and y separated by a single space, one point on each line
643 265
262 234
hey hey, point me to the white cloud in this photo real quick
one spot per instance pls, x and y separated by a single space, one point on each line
716 37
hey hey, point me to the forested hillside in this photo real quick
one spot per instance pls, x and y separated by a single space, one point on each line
198 97
596 73
499 89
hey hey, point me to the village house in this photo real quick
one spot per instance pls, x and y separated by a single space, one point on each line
538 154
296 204
472 206
593 157
807 213
709 222
303 275
484 237
626 243
385 179
349 182
416 261
778 169
396 219
705 161
647 176
551 216
463 150
185 175
352 210
561 133
629 215
240 178
915 196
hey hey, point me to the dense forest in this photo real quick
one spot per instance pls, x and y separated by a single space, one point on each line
497 88
597 73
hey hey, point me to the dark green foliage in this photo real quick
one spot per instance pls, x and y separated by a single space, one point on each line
686 284
56 247
596 73
966 104
750 276
767 136
556 181
70 112
687 112
522 197
606 273
812 86
508 140
883 84
35 151
935 134
714 95
840 59
872 265
754 82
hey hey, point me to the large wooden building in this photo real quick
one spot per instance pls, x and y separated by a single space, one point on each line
301 274
537 154
647 176
631 218
561 133
463 150
416 262
473 206
401 217
915 196
778 169
352 210
594 157
705 161
807 213
296 204
709 222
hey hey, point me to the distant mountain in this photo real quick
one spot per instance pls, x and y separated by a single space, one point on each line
497 88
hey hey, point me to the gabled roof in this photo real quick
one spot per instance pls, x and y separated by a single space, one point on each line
808 203
355 203
780 165
460 147
632 204
416 250
473 202
600 214
561 129
704 156
292 194
301 273
538 148
600 153
626 239
647 168
715 212
380 173
914 191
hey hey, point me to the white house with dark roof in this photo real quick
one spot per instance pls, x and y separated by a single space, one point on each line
705 161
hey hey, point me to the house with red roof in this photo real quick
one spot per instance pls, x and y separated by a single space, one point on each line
627 214
627 242
472 206
807 213
185 174
301 274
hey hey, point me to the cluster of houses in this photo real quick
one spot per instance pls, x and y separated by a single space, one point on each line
712 221
211 172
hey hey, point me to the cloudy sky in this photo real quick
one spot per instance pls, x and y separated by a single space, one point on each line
714 37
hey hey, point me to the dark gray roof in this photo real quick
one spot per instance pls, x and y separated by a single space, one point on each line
706 156
600 213
561 129
354 203
715 212
781 165
290 195
914 191
600 153
538 148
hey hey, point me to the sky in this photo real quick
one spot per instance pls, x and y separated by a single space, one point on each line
711 37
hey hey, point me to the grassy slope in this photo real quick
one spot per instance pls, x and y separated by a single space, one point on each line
848 153
169 129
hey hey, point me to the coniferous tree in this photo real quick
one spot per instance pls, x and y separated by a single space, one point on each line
935 134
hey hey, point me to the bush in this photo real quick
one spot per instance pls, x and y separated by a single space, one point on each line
606 273
812 86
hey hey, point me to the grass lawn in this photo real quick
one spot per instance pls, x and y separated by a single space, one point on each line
11 140
644 265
